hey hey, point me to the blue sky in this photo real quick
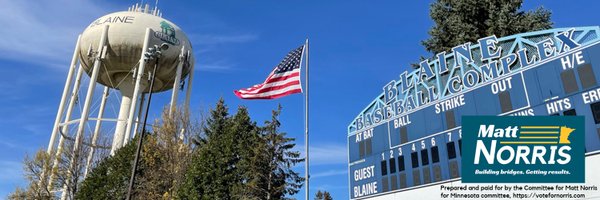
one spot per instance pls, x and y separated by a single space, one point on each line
356 48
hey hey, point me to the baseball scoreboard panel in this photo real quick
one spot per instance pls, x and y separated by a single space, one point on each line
422 146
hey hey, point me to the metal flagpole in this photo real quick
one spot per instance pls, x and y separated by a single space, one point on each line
306 174
140 113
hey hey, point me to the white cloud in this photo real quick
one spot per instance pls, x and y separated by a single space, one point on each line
208 46
9 144
212 65
10 171
211 43
329 173
43 31
328 187
11 176
326 154
212 39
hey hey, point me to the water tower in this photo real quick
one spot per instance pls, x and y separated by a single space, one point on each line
119 51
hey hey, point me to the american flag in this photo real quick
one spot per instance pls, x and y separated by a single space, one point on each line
283 80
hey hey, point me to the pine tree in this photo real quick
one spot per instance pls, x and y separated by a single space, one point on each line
323 195
239 160
281 180
110 178
211 174
218 121
460 21
254 168
248 142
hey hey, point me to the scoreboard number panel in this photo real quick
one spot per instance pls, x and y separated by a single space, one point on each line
417 162
452 152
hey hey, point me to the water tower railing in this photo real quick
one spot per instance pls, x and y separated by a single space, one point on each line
145 9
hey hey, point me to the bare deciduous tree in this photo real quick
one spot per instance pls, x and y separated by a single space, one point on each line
34 169
38 171
166 155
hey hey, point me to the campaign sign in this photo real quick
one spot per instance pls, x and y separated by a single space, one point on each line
531 149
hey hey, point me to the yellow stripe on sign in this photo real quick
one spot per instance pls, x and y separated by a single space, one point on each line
539 137
527 142
540 127
539 132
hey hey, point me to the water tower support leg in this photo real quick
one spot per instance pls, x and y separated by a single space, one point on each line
139 114
65 128
64 97
96 130
177 81
189 88
126 92
86 109
137 89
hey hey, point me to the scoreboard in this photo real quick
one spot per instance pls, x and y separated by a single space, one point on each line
424 146
420 145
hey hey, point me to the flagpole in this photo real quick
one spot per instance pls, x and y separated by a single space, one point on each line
306 174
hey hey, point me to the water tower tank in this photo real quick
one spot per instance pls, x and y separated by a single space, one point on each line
125 40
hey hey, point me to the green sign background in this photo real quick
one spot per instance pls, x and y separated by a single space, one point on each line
575 168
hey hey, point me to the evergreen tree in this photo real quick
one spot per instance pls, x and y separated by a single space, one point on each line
218 121
110 178
248 144
323 195
460 21
255 168
239 160
211 174
281 180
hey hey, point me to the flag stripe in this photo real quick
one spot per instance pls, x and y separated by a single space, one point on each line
273 92
275 96
283 78
287 90
273 86
279 78
263 90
